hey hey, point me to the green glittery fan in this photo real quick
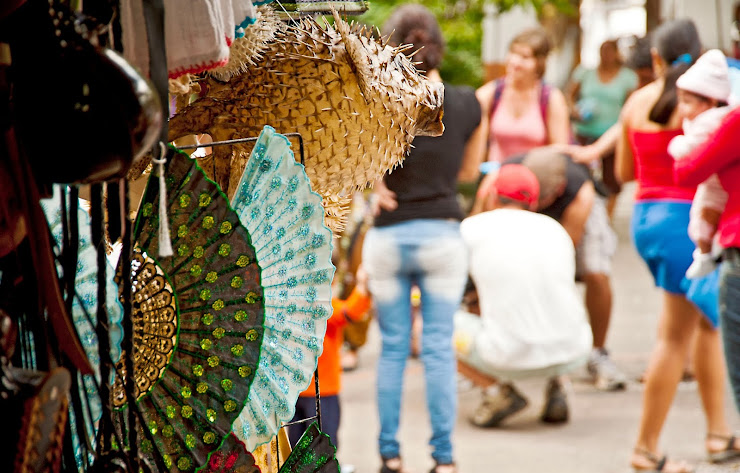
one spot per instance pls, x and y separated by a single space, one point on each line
198 321
314 453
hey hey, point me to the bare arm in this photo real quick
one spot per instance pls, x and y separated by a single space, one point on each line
575 215
572 91
382 198
558 122
477 145
624 161
598 149
483 194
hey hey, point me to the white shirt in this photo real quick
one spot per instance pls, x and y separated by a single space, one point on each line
523 265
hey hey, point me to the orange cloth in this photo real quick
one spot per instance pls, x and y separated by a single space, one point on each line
330 366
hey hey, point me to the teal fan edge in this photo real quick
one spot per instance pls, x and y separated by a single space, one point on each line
321 322
92 415
85 229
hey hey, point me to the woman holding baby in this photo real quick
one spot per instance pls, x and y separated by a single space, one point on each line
652 118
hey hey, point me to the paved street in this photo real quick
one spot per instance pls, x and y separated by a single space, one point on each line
603 426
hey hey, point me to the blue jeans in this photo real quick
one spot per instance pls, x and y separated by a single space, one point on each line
431 254
729 314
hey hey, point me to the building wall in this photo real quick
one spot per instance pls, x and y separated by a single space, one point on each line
498 31
713 19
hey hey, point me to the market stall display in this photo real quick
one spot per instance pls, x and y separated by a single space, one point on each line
197 356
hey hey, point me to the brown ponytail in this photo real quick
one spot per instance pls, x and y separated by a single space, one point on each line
678 44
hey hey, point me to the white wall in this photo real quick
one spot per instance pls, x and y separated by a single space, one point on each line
713 18
603 20
498 30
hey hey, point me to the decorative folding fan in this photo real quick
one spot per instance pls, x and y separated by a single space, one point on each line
284 216
231 457
198 321
84 307
314 453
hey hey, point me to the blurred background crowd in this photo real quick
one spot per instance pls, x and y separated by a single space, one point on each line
489 253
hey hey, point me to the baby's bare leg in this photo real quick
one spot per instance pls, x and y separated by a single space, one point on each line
705 246
711 217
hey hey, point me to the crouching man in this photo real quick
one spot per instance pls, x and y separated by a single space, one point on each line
532 321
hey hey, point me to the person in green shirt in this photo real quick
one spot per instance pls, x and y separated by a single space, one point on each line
596 97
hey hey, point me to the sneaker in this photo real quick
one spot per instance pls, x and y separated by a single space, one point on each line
703 264
605 374
556 404
350 360
495 409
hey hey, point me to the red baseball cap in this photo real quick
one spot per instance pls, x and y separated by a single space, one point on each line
516 182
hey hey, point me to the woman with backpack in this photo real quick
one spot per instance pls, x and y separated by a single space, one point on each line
522 111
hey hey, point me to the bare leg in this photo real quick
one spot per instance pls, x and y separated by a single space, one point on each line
476 377
678 320
598 305
709 364
611 204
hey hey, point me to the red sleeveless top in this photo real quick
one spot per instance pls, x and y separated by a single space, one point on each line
654 167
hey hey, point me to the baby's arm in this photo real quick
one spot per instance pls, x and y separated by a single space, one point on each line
695 133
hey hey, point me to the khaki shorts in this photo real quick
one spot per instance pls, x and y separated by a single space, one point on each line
599 242
468 325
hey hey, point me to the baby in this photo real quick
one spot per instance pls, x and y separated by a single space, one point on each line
703 93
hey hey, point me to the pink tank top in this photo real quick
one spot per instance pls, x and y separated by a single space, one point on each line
515 135
654 167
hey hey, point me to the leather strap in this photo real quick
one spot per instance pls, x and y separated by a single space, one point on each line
154 16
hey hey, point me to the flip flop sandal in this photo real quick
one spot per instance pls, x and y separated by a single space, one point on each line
728 453
659 463
391 465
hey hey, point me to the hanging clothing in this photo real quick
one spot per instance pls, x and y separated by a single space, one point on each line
198 33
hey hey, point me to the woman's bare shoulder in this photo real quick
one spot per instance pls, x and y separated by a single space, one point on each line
485 94
640 101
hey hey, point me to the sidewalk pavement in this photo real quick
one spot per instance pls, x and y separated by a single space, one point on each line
603 426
